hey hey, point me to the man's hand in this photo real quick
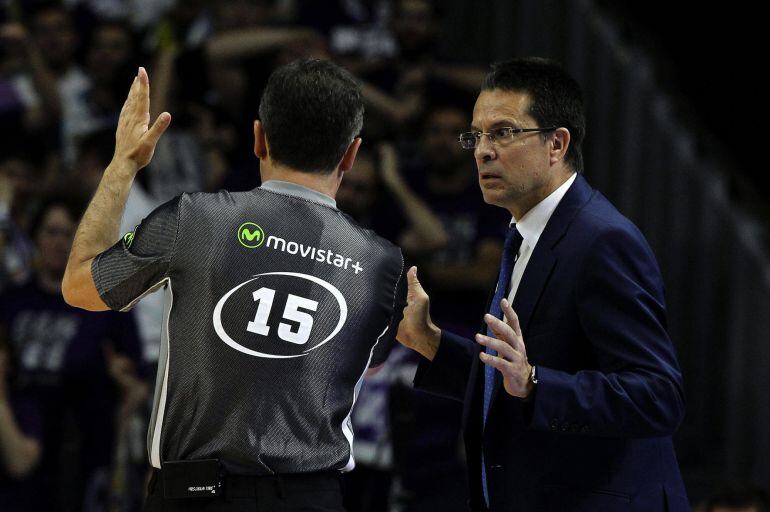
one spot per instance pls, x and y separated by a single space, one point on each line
134 390
134 141
511 358
389 167
416 330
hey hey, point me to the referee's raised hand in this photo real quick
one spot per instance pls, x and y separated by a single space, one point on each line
135 140
416 330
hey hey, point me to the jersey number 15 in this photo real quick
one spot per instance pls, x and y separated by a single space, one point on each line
265 297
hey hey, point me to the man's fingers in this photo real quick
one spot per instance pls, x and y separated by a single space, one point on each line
129 97
504 349
512 325
143 95
511 316
502 330
157 129
144 79
495 362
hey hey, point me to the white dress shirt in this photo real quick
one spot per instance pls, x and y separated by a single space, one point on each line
530 227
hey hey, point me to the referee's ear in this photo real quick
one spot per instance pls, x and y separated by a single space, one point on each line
260 141
350 155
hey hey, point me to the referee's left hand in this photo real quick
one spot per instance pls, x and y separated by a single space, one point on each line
135 140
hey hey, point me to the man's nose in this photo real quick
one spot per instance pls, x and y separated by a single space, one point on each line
484 150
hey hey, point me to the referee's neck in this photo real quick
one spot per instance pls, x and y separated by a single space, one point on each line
326 183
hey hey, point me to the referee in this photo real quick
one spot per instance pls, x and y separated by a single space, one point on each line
276 302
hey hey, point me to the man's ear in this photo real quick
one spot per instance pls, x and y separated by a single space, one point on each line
559 144
350 155
260 142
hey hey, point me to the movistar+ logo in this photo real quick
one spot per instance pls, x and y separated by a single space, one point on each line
251 235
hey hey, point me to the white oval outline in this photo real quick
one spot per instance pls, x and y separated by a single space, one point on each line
220 330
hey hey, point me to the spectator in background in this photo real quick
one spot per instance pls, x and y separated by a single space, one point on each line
376 188
95 103
361 195
398 90
208 65
20 442
737 497
185 25
358 30
85 367
19 177
376 484
20 107
441 174
139 13
41 68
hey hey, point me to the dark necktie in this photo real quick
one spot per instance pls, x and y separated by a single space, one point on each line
510 251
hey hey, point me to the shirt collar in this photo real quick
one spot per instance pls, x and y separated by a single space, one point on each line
294 189
532 224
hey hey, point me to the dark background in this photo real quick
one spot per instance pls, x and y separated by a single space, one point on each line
709 58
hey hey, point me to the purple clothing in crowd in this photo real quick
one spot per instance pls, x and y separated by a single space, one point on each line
59 355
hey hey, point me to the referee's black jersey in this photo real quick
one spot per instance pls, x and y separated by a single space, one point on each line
276 304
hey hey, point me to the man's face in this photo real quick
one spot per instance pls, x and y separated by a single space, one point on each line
413 25
440 137
515 174
111 51
54 239
54 34
358 188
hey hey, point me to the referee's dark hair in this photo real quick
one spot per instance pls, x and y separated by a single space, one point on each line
556 98
311 111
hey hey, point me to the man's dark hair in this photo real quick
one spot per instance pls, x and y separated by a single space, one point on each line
73 201
311 111
738 495
555 95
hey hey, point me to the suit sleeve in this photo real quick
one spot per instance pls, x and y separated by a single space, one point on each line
447 375
139 262
637 390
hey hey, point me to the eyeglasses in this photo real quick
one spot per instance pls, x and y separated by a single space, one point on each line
504 134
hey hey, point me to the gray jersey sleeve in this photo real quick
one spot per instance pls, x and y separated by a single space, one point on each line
138 263
388 340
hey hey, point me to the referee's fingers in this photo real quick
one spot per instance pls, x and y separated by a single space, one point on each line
157 129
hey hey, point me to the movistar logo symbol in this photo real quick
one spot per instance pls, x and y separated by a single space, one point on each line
251 235
128 238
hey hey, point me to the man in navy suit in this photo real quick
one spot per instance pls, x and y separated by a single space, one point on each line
571 401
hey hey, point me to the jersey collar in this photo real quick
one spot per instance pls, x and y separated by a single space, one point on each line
293 189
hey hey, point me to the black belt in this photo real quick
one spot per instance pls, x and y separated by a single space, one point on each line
249 486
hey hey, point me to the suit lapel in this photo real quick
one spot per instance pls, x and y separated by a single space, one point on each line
543 260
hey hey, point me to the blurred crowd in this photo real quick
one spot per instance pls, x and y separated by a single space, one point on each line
75 386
